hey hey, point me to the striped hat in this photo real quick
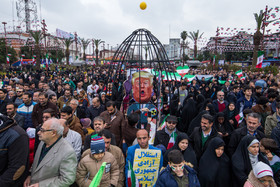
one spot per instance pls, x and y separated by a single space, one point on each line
97 145
261 170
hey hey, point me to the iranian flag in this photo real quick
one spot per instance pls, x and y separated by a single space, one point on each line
243 78
163 124
239 117
239 73
172 140
260 59
189 77
132 181
8 58
182 70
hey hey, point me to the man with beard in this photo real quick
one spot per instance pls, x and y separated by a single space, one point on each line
167 136
37 114
19 100
65 99
12 114
202 135
25 110
114 120
3 101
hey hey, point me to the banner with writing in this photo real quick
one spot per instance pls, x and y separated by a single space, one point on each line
146 166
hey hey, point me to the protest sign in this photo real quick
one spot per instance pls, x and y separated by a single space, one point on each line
146 166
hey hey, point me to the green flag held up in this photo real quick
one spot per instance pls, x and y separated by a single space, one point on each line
96 180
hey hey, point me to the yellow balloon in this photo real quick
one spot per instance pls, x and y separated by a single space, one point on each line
143 5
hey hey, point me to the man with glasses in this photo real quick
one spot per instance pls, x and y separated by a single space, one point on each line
55 160
167 136
26 109
220 104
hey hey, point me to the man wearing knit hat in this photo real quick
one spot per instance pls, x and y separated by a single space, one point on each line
91 163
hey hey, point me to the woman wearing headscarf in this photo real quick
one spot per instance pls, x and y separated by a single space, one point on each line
189 112
223 128
182 144
200 101
214 165
245 158
230 114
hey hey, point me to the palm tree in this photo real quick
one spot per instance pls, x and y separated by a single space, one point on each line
184 36
257 36
85 43
194 36
97 42
67 42
37 36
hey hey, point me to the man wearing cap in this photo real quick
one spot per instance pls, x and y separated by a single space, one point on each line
91 163
55 160
167 136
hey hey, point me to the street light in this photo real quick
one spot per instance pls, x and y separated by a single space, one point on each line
4 23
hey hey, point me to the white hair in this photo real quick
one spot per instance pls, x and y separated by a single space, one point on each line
55 125
76 101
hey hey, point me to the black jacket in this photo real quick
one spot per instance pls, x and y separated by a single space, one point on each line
93 112
163 138
3 106
14 153
236 137
196 141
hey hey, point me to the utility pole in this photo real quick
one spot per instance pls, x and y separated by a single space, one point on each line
76 43
4 23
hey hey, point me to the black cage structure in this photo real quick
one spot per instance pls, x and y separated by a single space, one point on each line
141 51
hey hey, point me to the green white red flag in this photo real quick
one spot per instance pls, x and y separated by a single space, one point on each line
132 181
239 117
239 73
172 140
182 70
163 124
260 59
8 58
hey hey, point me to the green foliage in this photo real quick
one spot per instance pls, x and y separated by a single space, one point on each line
26 50
238 56
3 54
56 54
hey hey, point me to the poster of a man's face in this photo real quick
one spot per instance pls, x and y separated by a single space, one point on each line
142 86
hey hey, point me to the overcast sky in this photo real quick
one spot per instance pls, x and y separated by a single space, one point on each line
114 20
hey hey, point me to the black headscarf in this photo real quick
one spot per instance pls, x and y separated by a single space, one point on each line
213 170
189 112
230 115
189 155
241 164
223 128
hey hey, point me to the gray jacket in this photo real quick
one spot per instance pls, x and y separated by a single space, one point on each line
58 167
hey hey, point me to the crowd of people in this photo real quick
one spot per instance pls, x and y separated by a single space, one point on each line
57 128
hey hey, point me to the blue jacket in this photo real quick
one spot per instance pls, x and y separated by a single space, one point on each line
26 112
242 103
130 157
166 179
